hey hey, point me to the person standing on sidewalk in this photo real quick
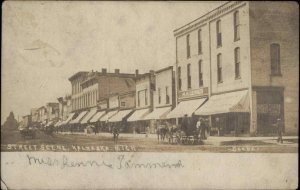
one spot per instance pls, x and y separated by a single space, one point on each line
185 124
198 129
279 130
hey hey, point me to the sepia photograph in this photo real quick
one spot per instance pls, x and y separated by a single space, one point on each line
163 87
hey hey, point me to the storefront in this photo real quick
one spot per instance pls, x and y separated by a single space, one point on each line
75 123
95 120
120 119
187 107
137 122
230 113
88 116
158 115
104 120
269 107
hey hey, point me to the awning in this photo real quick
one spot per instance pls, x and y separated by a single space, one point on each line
108 115
158 113
68 119
186 107
138 115
225 103
78 118
88 116
120 115
97 116
50 123
57 123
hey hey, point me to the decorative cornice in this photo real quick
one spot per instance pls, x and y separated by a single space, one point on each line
208 16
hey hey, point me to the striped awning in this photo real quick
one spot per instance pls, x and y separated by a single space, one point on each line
139 114
68 119
108 115
78 118
158 113
97 116
225 103
187 107
119 116
88 116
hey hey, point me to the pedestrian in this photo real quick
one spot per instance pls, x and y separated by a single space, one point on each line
202 128
198 124
115 132
185 124
279 130
96 129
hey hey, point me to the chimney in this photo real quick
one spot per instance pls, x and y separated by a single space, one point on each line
136 72
103 71
117 71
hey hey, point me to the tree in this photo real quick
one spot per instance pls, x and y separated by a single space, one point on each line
11 123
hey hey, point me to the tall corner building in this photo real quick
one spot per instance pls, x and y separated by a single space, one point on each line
239 65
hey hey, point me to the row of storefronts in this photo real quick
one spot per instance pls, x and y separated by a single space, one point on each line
240 88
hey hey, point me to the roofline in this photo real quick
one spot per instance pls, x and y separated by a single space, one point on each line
205 17
76 74
164 69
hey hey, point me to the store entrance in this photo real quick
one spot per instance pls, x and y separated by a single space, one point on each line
269 109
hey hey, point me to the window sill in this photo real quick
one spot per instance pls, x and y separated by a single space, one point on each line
238 39
188 57
219 46
220 82
200 53
237 78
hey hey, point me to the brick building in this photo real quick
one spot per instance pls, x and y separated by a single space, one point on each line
239 65
91 90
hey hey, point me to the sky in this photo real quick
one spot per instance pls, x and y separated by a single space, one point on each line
44 43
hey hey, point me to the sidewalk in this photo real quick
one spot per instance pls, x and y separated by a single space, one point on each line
287 140
211 140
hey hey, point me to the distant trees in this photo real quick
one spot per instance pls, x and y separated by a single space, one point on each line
11 123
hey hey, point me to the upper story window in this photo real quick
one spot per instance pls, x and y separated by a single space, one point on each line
159 96
188 48
167 95
236 24
219 65
146 97
275 59
179 78
199 42
219 33
237 62
200 73
139 98
189 78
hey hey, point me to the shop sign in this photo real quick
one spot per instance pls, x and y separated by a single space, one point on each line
192 93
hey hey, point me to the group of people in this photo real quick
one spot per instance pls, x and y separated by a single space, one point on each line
199 130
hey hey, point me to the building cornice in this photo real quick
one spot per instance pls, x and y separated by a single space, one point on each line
206 17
